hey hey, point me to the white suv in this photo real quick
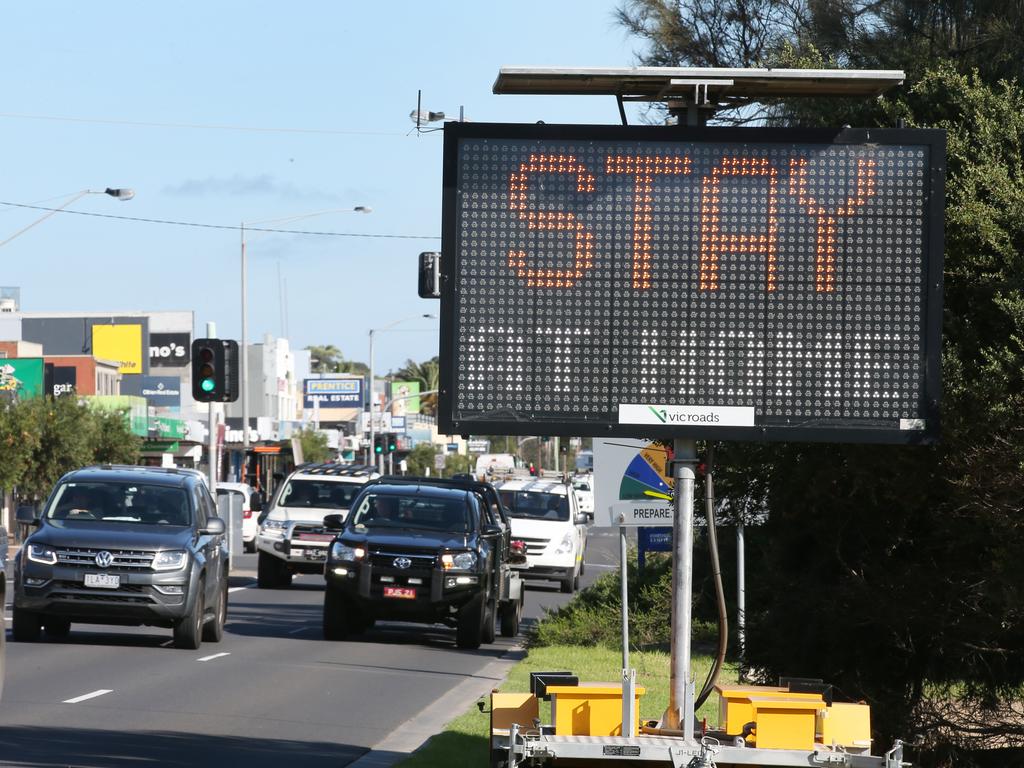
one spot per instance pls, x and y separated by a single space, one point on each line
292 538
546 515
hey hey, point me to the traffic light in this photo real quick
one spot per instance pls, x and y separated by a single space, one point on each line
390 442
378 444
214 370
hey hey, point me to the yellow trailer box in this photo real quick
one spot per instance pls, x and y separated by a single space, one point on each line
509 708
736 708
846 725
784 723
590 709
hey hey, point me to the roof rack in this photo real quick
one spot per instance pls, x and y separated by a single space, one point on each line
453 482
329 468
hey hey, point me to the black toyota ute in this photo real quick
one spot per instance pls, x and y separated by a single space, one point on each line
412 550
123 545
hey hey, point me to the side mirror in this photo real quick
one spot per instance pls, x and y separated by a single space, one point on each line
590 516
582 519
27 514
490 530
334 522
214 527
256 501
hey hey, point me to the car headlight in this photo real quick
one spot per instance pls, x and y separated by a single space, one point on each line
273 527
171 560
341 551
463 561
568 544
40 553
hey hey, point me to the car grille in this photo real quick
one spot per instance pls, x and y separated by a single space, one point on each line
127 593
124 559
311 533
533 546
124 589
421 564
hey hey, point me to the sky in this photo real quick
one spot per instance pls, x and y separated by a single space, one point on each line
225 112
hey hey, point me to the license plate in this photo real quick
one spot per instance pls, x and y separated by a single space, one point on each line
406 593
102 580
316 554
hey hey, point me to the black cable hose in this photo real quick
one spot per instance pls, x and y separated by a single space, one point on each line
716 571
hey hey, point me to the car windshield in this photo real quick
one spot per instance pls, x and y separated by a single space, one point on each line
378 510
322 494
120 503
535 505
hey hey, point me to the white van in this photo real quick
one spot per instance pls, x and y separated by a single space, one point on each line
546 515
494 465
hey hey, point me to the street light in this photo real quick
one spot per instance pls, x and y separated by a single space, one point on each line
118 193
244 373
387 327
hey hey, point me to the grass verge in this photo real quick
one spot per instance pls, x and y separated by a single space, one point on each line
464 741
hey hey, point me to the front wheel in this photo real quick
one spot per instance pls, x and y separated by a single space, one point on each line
188 633
569 582
487 635
469 631
25 625
57 629
511 614
335 619
213 631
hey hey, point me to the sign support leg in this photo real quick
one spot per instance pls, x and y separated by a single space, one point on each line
741 599
628 675
679 715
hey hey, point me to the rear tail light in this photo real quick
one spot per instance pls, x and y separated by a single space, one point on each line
518 546
246 514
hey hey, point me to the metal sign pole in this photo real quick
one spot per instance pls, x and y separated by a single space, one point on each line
628 675
741 598
679 714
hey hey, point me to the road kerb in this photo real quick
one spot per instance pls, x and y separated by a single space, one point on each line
416 731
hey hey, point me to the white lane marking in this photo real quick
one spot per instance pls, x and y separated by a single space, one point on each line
300 629
87 696
601 565
168 644
214 656
239 589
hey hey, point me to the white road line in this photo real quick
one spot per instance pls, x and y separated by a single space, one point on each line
239 589
214 656
168 644
87 696
300 629
601 565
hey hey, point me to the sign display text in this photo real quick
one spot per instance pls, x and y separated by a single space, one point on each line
717 283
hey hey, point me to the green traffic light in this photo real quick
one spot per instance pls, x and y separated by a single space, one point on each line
378 449
207 385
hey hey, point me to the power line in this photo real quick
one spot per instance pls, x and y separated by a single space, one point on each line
195 126
220 226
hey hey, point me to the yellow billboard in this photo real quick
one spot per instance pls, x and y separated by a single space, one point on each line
121 343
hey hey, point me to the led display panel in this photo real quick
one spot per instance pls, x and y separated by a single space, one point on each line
714 283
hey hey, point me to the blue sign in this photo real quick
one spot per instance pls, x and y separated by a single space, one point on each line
333 393
652 540
159 391
655 539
